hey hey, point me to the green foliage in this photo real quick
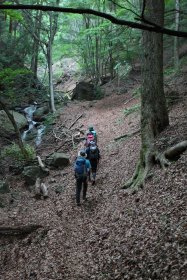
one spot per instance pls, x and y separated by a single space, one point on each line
131 110
169 71
98 93
8 75
137 92
123 69
182 62
13 151
16 15
50 119
10 79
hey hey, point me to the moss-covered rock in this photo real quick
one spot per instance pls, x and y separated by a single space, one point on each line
31 173
6 125
59 160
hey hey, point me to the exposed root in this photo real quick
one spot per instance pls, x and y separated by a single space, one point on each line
146 162
176 150
162 160
138 179
171 153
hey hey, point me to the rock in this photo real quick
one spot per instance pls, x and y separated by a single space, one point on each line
83 91
7 126
4 187
38 115
16 169
31 134
59 160
30 174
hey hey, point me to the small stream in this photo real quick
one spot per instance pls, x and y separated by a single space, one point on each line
34 128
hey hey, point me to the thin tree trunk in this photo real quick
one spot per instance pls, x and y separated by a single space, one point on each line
34 61
176 39
11 118
50 73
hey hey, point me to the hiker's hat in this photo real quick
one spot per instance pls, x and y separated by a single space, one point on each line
82 153
91 128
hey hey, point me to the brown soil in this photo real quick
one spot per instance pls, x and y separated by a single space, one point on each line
113 235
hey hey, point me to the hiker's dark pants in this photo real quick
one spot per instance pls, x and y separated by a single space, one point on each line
79 182
94 163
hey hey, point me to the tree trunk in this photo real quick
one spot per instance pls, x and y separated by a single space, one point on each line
49 63
34 61
176 39
11 118
154 116
52 32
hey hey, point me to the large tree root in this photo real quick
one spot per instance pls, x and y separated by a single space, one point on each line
11 230
143 167
138 179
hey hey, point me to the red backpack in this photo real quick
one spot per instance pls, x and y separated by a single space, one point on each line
90 137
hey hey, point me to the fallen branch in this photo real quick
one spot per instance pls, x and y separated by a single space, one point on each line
76 120
41 164
127 135
9 230
73 142
56 137
129 100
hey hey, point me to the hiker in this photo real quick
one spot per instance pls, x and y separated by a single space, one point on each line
82 168
92 130
91 135
93 154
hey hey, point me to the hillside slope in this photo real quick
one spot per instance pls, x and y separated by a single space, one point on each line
113 235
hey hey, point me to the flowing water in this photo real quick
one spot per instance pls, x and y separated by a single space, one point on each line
29 111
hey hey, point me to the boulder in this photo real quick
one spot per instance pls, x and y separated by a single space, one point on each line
31 173
83 91
38 115
7 126
59 160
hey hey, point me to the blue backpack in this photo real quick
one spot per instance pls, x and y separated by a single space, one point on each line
80 167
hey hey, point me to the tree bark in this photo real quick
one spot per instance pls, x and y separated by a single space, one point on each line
154 116
176 39
50 74
37 28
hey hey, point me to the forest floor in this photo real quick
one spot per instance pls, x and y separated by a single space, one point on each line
114 234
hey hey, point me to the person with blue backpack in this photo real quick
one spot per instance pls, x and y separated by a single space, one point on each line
82 169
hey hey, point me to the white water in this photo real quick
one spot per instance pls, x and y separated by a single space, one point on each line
41 128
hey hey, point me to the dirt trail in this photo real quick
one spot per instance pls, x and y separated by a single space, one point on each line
112 235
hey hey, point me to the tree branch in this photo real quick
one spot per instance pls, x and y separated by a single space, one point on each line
75 120
127 135
114 20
